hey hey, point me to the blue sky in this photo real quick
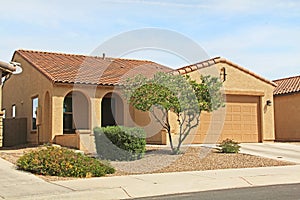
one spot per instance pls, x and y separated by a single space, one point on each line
263 36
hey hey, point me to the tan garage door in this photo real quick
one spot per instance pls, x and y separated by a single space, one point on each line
240 122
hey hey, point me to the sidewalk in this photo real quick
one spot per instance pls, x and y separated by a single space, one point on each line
15 183
169 183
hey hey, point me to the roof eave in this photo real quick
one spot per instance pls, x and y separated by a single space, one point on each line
216 60
34 65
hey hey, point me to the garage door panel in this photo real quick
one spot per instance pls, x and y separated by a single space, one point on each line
235 108
246 109
247 127
236 117
241 122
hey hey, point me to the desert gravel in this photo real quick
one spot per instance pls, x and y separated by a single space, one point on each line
160 160
193 159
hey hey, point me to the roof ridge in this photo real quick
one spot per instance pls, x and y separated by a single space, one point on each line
215 60
56 53
82 55
224 60
132 59
286 78
198 63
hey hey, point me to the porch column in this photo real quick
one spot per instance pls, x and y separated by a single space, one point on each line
57 116
95 113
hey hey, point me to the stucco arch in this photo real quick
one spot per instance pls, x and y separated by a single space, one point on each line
76 112
112 109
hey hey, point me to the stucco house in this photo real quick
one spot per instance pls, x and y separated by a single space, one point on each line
52 82
287 109
6 69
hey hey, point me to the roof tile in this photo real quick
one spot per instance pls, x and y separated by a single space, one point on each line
287 85
69 68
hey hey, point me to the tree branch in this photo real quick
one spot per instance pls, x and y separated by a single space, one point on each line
160 121
191 127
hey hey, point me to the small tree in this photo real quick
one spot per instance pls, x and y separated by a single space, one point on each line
181 95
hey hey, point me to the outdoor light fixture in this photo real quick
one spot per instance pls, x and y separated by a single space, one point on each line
18 67
269 102
223 74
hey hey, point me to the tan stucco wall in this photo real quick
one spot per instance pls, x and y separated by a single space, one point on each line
287 117
20 89
241 83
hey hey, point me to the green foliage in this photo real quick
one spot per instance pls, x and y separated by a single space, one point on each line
120 143
179 94
208 93
56 161
229 146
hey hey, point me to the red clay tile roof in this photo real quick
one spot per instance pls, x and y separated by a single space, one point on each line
213 61
287 85
69 68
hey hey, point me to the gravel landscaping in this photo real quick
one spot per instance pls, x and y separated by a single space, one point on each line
193 159
159 160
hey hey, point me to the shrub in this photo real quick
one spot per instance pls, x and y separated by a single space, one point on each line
56 161
120 143
229 146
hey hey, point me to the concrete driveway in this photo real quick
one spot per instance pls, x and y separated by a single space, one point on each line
279 151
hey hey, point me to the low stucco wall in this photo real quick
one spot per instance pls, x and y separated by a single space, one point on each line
14 132
67 140
159 138
287 117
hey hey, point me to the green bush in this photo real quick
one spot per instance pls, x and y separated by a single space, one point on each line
120 143
229 146
56 161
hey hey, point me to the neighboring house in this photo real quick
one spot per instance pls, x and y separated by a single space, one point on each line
287 109
52 82
6 70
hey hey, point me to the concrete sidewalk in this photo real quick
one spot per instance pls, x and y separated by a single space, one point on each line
124 187
15 183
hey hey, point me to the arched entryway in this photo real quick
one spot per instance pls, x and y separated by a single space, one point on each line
76 112
112 110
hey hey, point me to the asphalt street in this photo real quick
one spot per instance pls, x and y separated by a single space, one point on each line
274 192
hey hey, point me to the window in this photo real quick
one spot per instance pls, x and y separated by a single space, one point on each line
13 111
35 103
68 124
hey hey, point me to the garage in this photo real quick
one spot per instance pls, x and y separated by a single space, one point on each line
248 115
242 121
239 120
